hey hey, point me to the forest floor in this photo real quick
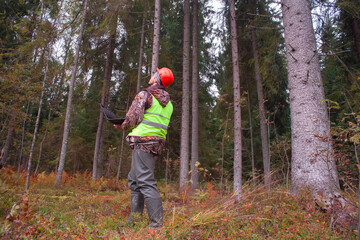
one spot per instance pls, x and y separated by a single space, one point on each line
86 209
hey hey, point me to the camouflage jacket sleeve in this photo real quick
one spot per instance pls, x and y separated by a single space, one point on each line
136 112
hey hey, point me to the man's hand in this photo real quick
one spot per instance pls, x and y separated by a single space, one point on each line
118 126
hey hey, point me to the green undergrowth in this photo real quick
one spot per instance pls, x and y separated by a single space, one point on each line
86 209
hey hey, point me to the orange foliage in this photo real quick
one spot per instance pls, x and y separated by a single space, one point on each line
84 208
210 190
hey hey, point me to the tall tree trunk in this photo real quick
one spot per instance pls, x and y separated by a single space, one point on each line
99 147
355 25
313 162
156 41
8 142
141 53
260 95
69 102
22 143
100 162
107 78
37 118
59 90
237 107
185 113
42 143
251 139
195 102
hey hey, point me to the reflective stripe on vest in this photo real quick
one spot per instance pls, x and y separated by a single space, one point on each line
156 114
155 121
154 124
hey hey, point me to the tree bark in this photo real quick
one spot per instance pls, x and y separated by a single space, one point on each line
141 53
195 102
156 41
99 147
263 128
185 113
237 107
100 160
313 162
69 103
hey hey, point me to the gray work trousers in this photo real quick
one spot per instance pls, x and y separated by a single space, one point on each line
141 177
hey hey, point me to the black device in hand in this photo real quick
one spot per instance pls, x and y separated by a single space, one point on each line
110 116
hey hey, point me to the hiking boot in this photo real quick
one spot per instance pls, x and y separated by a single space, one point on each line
136 208
155 212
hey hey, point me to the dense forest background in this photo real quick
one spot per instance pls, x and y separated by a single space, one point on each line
264 138
38 49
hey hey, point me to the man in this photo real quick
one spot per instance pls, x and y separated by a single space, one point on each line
148 118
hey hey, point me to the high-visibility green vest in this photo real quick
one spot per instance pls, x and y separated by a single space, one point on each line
155 121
